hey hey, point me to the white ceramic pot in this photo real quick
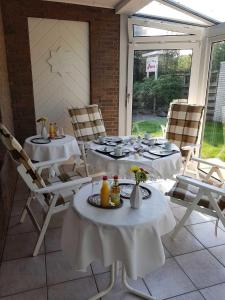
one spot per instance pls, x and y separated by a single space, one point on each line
136 197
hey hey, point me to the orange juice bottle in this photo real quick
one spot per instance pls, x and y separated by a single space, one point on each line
51 131
105 192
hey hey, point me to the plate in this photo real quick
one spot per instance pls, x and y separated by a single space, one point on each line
104 150
126 189
161 152
99 143
119 156
58 137
113 139
111 144
40 140
94 200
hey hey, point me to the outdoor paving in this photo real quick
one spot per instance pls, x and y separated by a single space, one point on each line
194 268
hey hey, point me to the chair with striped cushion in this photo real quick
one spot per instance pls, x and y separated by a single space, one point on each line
196 195
87 122
54 197
88 125
182 129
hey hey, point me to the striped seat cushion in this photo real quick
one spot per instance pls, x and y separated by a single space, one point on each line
20 156
183 124
188 192
87 122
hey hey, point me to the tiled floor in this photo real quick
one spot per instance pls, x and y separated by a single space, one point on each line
194 268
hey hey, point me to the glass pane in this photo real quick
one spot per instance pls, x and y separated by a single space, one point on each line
157 9
213 9
159 77
213 142
147 31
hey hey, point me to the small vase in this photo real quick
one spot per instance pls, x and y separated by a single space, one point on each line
136 197
44 133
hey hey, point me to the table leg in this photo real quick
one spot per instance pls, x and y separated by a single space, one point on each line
109 288
132 290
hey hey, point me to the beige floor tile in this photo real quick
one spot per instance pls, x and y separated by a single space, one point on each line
189 296
22 275
216 292
57 220
21 245
194 218
59 269
205 233
184 242
53 240
16 227
168 281
80 289
98 268
39 294
119 291
202 268
219 253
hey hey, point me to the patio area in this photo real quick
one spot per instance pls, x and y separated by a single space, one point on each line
194 268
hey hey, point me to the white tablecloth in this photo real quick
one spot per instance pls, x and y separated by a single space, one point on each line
132 236
164 167
59 148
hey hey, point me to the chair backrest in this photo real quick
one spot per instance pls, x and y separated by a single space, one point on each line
183 123
26 169
87 122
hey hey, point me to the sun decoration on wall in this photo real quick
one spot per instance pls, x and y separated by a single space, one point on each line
61 61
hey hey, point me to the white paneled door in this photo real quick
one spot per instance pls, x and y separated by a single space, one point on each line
60 67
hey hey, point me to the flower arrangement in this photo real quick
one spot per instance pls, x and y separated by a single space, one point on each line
139 173
42 120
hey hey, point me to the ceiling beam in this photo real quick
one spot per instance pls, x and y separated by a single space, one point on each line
189 12
129 7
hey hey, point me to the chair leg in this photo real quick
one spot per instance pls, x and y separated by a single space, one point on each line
182 222
24 213
45 226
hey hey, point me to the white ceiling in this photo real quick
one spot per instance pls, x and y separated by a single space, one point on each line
98 3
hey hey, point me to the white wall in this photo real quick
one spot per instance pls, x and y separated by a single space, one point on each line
60 67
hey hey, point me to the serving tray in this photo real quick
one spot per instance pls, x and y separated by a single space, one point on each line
95 201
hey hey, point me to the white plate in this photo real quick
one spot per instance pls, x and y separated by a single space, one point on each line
161 152
113 139
124 153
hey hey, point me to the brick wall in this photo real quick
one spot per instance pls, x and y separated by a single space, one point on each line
104 57
7 169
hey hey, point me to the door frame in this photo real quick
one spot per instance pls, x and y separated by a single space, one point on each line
195 66
214 34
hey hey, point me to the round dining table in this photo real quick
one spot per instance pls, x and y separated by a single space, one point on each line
158 165
126 235
55 149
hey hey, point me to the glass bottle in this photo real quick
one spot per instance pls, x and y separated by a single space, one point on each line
105 192
115 191
51 131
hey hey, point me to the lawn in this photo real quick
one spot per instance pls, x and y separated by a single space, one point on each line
213 143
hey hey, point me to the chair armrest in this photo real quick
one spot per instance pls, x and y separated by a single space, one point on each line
48 163
201 185
209 163
190 147
62 186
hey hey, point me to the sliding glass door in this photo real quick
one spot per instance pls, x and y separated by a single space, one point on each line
213 135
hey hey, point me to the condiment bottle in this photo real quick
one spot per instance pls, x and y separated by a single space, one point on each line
51 131
115 191
105 192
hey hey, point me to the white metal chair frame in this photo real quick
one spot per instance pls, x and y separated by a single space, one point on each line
212 192
54 190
